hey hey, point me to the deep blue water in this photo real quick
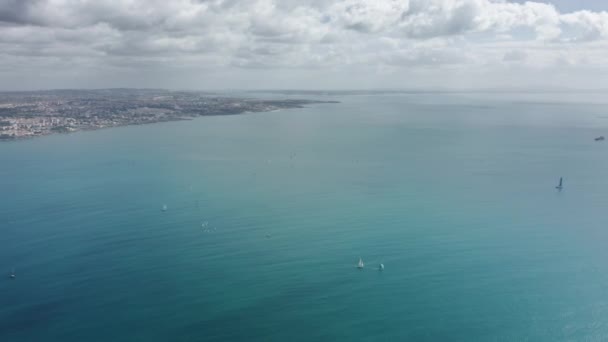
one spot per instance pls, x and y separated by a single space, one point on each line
454 193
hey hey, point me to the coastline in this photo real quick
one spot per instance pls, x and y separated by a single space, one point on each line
36 114
89 129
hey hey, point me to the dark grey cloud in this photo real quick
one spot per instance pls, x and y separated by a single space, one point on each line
17 11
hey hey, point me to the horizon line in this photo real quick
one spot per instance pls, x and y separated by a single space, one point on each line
335 90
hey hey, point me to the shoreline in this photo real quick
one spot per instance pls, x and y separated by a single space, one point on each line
64 113
89 129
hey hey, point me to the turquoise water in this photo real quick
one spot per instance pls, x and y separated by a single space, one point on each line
454 193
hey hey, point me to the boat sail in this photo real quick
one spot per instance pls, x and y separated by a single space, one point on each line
360 264
561 181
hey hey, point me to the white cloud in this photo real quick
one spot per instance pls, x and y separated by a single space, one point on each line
515 56
330 36
367 16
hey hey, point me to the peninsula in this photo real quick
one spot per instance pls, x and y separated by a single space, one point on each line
38 113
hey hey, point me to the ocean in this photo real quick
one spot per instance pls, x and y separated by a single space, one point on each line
268 214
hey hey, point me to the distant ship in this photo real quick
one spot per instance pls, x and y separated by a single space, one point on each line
360 265
12 275
560 185
164 208
381 267
600 138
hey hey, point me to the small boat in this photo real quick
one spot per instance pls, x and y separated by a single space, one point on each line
600 138
360 265
560 185
381 267
12 275
164 208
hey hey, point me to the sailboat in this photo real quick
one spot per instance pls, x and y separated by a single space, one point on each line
560 185
360 265
164 207
12 275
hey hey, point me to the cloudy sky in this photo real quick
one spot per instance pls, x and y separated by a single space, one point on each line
303 44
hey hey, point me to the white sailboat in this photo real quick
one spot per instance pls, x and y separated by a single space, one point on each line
360 265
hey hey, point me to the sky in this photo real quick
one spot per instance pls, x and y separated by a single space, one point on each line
304 44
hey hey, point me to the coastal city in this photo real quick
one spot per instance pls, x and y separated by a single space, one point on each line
31 114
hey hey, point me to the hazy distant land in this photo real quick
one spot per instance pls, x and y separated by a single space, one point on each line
37 113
